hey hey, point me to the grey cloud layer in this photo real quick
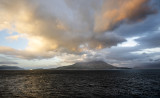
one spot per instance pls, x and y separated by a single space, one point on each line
8 62
72 26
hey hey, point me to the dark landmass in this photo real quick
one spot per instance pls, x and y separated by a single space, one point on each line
38 69
149 66
5 67
93 65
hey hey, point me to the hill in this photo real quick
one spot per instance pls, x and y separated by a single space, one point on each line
5 67
93 65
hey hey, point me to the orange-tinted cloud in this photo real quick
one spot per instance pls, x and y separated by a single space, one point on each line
115 12
54 26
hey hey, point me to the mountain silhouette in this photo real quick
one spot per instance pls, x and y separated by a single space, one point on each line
93 65
5 67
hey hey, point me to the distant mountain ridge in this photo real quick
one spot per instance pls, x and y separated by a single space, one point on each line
93 65
5 67
149 66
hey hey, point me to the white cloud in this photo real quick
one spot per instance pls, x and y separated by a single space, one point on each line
130 42
148 51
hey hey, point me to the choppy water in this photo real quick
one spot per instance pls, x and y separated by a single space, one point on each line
51 84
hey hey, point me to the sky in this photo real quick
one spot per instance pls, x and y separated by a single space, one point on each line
52 33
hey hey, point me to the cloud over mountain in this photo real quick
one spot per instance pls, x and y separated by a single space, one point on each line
81 29
67 26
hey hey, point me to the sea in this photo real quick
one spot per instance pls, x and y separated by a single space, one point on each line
122 83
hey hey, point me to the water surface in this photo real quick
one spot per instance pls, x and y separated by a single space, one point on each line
106 83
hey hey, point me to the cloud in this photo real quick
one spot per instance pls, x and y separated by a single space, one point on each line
26 54
148 51
148 26
124 11
15 37
55 27
150 40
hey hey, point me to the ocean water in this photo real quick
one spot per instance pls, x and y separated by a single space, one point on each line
96 84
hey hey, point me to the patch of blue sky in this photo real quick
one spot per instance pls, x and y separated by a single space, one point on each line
20 43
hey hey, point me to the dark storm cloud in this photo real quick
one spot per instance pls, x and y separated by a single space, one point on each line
150 40
124 11
106 40
122 53
149 25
